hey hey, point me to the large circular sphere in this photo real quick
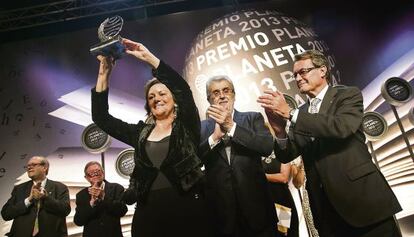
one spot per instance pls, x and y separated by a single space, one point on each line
255 48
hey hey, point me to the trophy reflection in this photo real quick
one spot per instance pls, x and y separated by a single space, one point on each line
111 41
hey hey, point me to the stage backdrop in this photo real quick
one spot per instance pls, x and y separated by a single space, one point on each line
45 83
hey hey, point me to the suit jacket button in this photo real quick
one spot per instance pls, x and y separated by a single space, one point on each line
196 196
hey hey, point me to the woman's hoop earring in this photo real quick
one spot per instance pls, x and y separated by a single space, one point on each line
175 110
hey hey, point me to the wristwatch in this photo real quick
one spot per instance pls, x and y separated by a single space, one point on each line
291 113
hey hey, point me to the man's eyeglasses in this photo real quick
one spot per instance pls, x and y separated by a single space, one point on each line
303 72
225 91
94 173
32 165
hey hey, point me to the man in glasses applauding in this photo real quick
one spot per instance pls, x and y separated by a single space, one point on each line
347 194
98 207
232 146
38 207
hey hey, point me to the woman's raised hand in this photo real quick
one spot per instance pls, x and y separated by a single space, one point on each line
106 64
139 51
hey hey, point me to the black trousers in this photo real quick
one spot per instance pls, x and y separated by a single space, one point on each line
330 224
242 228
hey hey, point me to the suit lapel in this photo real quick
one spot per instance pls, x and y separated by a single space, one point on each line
210 126
49 187
305 106
237 118
28 188
32 208
107 188
326 104
327 100
300 139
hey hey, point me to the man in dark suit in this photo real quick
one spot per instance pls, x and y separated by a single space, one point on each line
348 195
98 207
38 207
232 144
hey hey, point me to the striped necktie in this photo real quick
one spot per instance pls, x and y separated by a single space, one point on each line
314 105
36 224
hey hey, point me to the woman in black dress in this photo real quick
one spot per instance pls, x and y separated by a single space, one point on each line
165 183
278 176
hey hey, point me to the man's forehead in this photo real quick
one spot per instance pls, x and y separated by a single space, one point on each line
35 158
94 167
301 63
220 84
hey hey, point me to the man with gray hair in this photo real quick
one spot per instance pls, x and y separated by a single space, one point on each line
232 144
98 207
38 207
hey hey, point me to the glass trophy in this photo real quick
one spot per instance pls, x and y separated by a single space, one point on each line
111 41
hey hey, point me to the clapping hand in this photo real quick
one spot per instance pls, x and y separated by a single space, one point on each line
274 102
217 133
222 116
96 192
276 109
37 192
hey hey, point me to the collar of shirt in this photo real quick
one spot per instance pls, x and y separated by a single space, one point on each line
43 183
320 96
102 185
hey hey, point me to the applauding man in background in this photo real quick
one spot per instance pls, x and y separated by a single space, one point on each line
38 207
98 207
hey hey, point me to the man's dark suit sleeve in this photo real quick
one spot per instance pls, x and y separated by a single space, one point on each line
288 153
83 212
204 148
60 204
114 205
13 207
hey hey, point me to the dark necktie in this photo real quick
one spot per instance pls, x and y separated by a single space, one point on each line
227 146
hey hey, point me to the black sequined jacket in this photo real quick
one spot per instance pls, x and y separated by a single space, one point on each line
182 167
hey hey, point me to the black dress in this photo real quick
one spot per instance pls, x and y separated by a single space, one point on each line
168 213
280 193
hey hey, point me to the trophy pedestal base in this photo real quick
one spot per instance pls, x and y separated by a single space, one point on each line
113 48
